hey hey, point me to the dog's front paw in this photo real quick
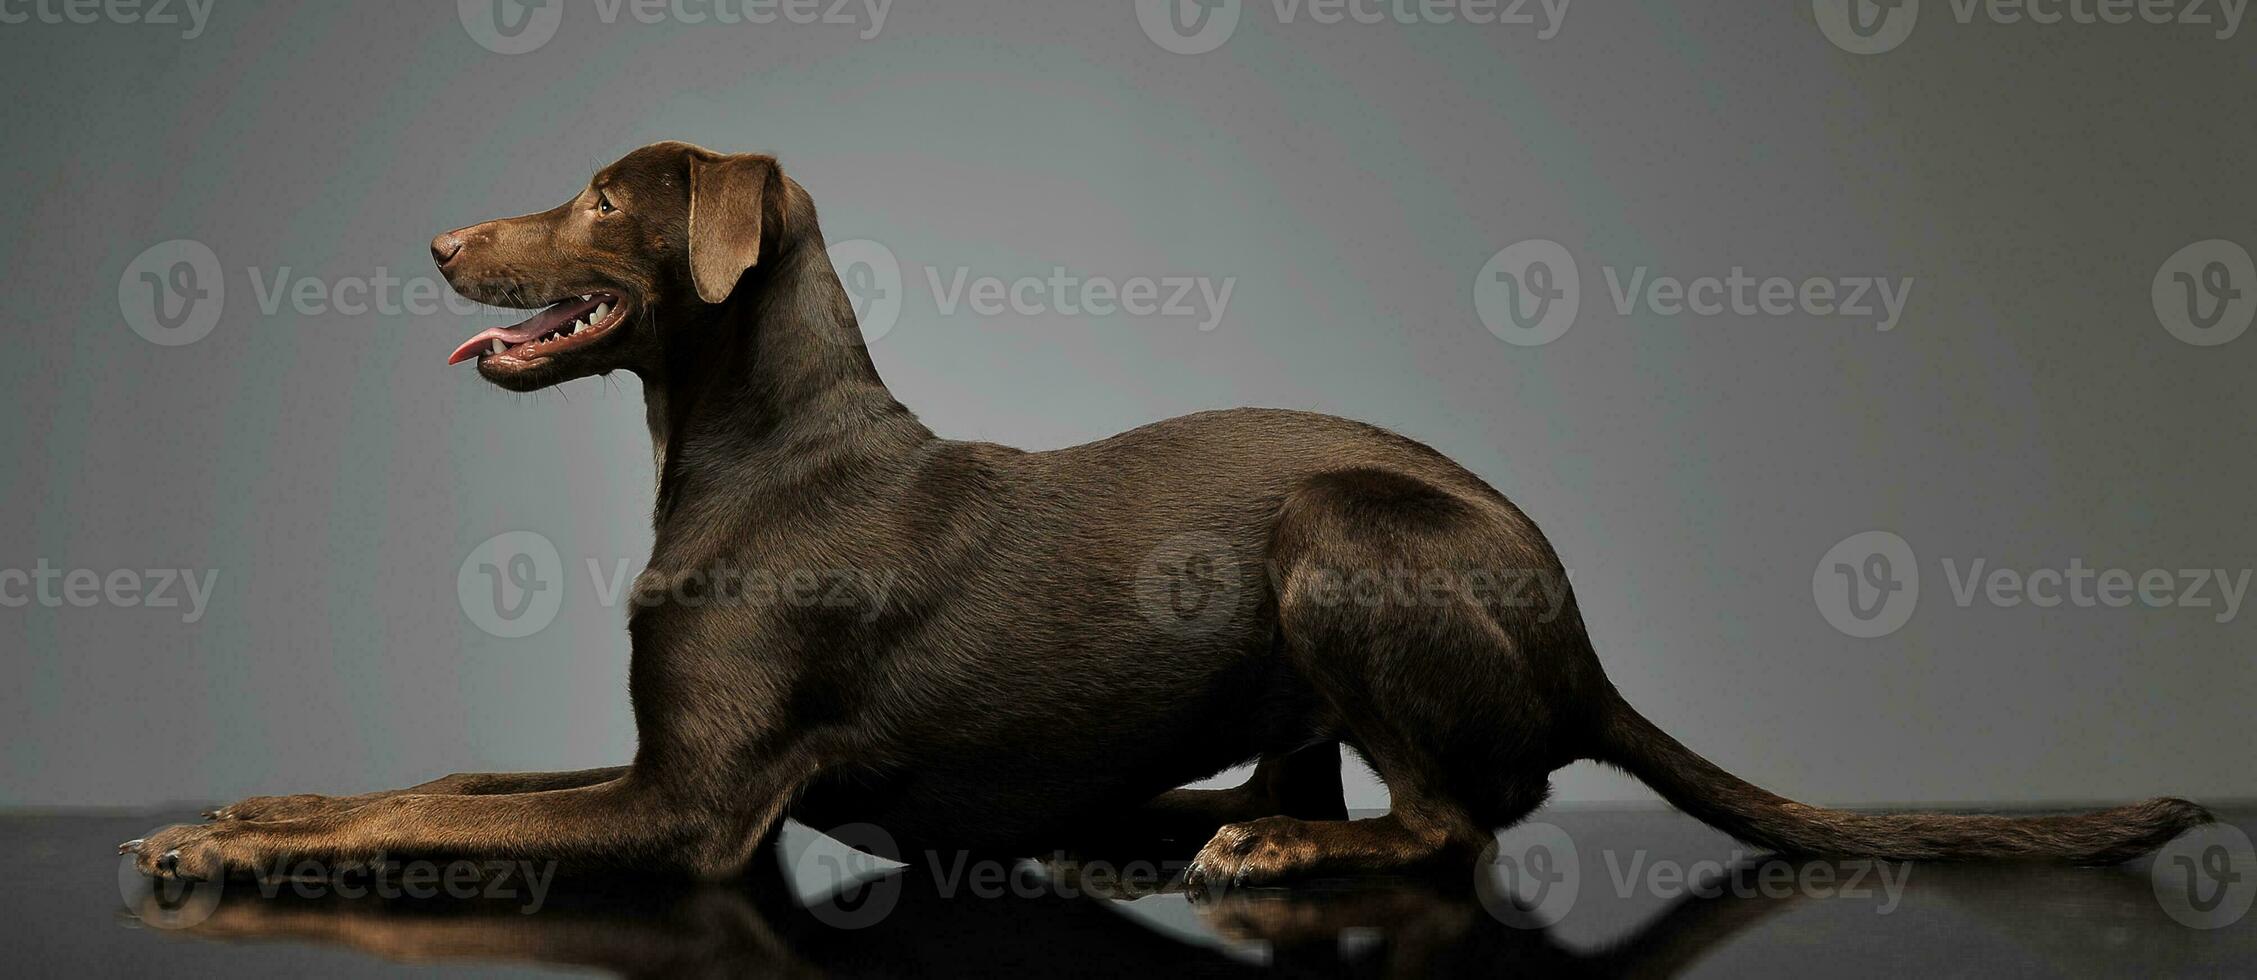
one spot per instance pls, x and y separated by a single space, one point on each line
290 807
1257 852
186 853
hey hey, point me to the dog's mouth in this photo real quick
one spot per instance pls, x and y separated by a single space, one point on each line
569 324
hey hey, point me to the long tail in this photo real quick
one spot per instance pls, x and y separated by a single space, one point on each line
1722 800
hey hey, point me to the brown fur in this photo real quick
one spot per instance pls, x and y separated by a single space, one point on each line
1023 680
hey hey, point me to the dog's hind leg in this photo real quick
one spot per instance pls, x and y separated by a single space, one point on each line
1394 603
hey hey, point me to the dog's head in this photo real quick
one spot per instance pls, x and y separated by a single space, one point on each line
655 242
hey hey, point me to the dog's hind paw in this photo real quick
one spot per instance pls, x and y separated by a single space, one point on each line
184 852
1257 852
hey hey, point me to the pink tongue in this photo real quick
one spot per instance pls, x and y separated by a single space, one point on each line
541 324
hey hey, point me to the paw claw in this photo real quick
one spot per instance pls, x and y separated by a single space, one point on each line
130 847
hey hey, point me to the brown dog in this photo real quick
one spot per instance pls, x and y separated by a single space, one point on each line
1064 636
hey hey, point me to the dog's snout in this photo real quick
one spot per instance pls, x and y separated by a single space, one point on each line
445 247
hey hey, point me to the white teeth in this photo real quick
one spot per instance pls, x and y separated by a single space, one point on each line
602 313
498 346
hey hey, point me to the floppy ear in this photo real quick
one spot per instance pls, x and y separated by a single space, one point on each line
725 206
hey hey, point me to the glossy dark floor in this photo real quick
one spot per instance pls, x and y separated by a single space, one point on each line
1627 892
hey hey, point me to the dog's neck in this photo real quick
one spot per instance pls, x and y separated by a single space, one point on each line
773 388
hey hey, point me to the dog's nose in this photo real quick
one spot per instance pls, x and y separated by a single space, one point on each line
445 247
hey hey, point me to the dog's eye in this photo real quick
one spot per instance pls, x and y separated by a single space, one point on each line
603 204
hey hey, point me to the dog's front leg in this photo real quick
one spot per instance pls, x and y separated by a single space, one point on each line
627 824
302 805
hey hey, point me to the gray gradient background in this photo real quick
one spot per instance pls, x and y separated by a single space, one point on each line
1352 178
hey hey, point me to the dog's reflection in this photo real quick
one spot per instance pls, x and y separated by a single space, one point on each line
914 922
